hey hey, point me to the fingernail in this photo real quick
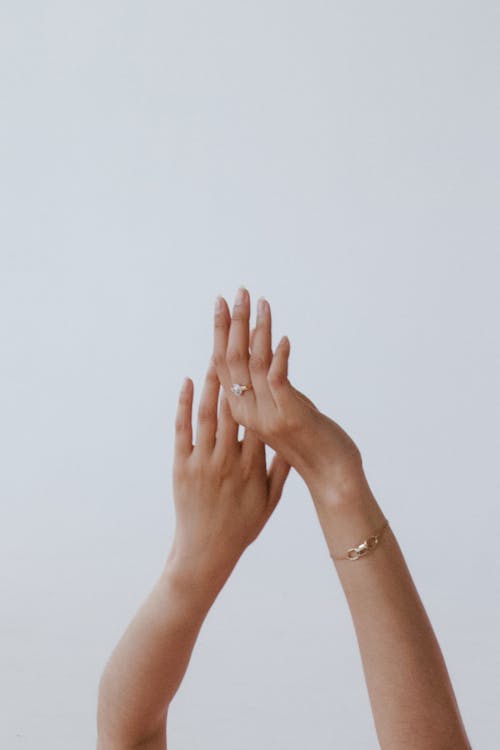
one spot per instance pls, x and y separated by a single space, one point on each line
240 296
261 307
184 384
218 303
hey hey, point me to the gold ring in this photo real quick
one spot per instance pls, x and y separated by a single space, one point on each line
238 389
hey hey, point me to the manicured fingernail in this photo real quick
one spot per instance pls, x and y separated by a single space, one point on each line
240 296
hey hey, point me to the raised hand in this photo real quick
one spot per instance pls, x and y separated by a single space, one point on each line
223 496
398 647
223 493
278 413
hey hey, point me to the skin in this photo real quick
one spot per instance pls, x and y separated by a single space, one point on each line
412 699
223 496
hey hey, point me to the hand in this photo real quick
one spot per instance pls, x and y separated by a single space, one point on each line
278 413
222 492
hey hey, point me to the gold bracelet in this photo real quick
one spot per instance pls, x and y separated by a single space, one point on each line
354 553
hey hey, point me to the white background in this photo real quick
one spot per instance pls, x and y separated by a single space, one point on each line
341 159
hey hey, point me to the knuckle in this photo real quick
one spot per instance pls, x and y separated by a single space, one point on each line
246 471
235 357
220 320
197 474
239 315
211 376
184 398
292 423
257 363
199 469
273 427
276 379
224 466
180 426
206 414
218 359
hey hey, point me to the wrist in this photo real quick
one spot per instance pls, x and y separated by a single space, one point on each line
328 459
347 512
337 481
194 578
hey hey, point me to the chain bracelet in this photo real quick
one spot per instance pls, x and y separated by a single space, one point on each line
368 545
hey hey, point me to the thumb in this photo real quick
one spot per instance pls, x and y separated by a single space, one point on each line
276 478
304 398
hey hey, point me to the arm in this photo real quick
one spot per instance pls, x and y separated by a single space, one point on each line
411 695
211 479
410 692
149 662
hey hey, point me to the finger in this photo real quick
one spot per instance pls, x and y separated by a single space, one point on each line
261 357
227 427
252 337
252 446
222 322
207 410
277 377
238 342
183 421
276 479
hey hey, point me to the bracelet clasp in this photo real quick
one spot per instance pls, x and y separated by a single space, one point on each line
355 552
369 544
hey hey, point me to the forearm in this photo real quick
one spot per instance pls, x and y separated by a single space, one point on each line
411 695
149 662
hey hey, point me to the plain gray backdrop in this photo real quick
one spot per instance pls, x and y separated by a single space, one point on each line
340 158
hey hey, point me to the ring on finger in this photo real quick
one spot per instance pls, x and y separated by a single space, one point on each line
239 389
